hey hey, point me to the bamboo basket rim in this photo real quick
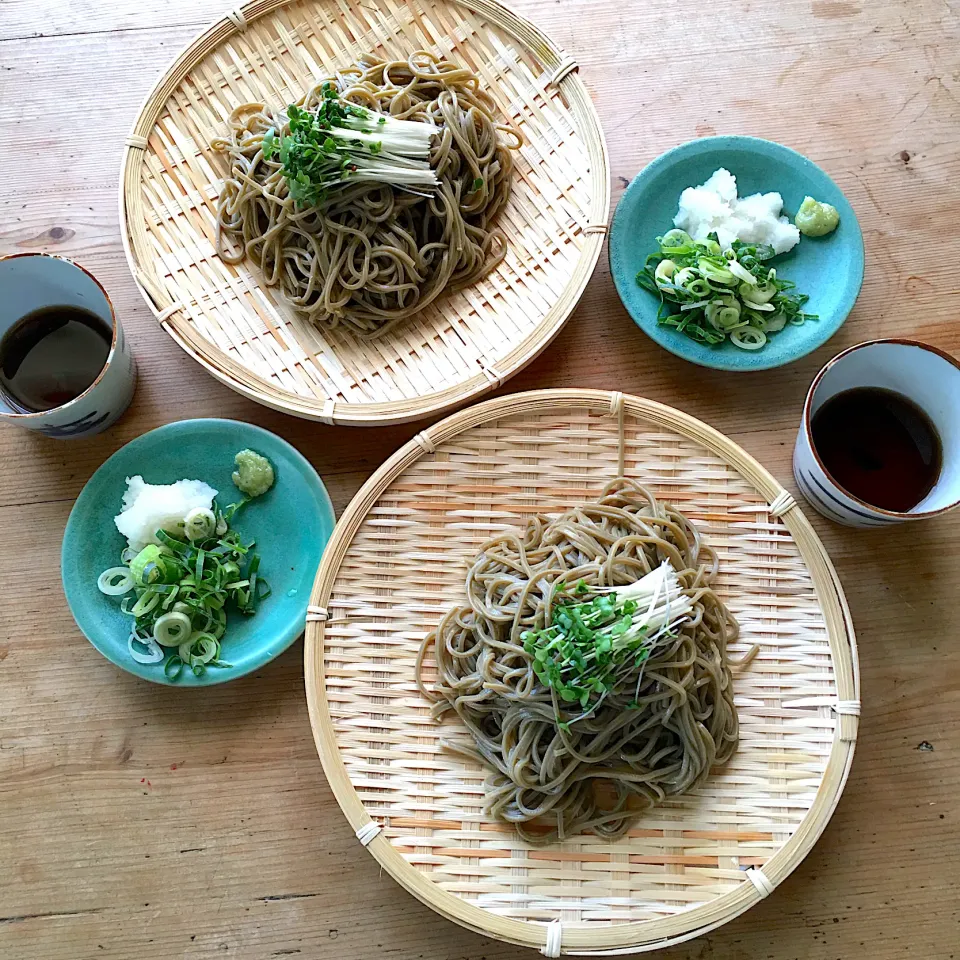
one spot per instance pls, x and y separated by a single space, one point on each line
243 380
598 939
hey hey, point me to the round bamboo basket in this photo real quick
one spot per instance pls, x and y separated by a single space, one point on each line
463 345
397 560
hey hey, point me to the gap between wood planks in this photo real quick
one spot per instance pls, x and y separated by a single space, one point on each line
52 915
93 33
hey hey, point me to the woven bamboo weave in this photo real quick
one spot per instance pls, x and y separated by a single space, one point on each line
463 345
397 560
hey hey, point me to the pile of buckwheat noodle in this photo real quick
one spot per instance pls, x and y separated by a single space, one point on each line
606 768
374 254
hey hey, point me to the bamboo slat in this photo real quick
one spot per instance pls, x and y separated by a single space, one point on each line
462 346
397 560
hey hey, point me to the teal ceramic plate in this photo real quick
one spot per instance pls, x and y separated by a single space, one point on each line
291 524
829 269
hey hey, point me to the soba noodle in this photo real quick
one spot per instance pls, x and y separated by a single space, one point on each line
644 742
374 254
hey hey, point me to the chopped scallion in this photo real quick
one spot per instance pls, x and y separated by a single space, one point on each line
710 294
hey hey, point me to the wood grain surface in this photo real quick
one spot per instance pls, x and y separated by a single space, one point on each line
140 821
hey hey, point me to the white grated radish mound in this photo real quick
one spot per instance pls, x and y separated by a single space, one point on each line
713 207
150 507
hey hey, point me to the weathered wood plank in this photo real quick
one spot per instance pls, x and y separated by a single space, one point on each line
106 851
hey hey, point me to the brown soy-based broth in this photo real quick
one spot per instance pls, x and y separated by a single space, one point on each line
51 356
879 446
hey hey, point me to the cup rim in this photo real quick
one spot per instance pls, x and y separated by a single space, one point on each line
807 422
13 414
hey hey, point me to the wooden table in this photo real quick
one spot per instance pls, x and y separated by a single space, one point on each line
138 821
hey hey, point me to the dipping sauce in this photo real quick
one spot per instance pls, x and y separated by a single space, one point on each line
879 446
51 356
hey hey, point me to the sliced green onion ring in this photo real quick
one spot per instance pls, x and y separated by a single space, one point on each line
200 648
748 338
115 582
759 307
149 652
676 241
173 668
775 323
698 287
145 604
723 313
200 524
753 296
172 629
665 270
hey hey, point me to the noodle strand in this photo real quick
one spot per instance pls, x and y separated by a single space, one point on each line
374 255
654 738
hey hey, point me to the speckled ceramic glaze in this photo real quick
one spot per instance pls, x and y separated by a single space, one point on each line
31 281
291 524
829 269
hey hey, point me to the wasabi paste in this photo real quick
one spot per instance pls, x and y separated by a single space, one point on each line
815 219
254 474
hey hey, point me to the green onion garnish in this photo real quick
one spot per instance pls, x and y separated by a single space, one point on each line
710 294
595 646
338 142
177 590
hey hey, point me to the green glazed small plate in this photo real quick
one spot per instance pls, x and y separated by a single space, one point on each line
291 524
829 269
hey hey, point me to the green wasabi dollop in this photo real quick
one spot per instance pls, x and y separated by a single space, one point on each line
815 219
254 474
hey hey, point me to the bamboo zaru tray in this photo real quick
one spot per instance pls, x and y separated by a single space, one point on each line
462 345
397 560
